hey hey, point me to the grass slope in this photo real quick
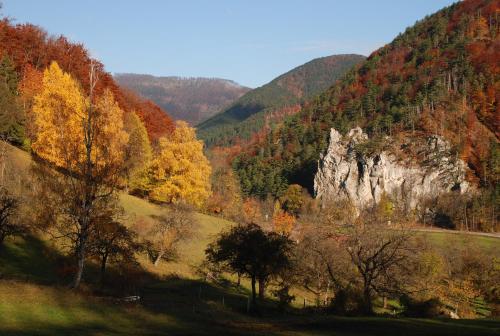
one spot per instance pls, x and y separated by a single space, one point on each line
34 301
27 309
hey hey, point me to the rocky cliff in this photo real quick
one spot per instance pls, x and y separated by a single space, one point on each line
346 172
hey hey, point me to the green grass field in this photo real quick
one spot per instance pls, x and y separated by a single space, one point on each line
28 309
34 300
462 239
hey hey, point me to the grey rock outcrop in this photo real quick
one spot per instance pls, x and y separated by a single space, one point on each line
344 172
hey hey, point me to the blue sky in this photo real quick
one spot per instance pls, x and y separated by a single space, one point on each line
250 42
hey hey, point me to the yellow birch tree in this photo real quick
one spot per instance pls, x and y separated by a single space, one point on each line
138 154
180 171
58 112
85 137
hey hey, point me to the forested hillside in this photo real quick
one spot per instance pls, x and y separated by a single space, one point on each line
441 76
281 97
351 195
191 99
26 50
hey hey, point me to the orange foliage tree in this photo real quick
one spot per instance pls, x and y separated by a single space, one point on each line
251 211
283 222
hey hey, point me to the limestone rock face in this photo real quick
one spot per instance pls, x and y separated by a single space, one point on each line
344 172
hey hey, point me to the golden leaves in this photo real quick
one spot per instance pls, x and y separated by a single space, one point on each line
181 171
60 115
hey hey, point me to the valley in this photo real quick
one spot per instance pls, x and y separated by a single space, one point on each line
33 301
350 195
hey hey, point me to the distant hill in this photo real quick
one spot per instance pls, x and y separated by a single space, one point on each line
191 99
282 96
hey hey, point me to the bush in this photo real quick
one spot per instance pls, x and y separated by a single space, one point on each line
428 308
347 302
283 296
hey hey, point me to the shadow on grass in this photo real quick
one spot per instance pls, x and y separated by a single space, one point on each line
51 310
214 308
173 306
393 326
30 259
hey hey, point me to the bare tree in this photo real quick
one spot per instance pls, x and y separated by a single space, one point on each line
323 265
382 256
9 221
161 235
355 258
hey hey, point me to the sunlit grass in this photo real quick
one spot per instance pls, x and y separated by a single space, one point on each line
181 305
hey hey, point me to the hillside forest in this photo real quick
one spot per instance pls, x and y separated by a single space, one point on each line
438 77
109 207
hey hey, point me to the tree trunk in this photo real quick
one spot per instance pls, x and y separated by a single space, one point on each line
158 258
88 184
80 257
254 294
367 302
103 267
239 280
262 288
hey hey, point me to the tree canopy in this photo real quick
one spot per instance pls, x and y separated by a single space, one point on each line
250 251
180 170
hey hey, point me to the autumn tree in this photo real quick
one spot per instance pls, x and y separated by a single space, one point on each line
226 197
283 222
323 266
29 86
58 113
111 241
84 137
354 259
180 171
293 199
138 154
457 274
226 194
251 211
11 114
250 251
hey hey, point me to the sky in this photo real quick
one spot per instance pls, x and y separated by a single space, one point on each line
250 42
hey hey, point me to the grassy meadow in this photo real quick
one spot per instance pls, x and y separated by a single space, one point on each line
175 300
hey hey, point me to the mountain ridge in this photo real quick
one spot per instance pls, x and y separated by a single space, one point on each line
192 99
282 96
